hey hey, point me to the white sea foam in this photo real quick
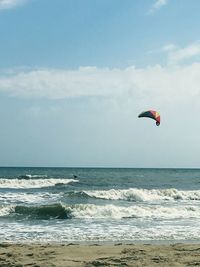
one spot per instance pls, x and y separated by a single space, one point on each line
91 211
33 183
29 233
33 176
135 211
6 210
26 198
135 194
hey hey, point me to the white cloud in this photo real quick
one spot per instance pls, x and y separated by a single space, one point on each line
59 84
157 5
169 47
6 4
155 84
177 55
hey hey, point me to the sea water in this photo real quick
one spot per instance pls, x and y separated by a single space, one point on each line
99 205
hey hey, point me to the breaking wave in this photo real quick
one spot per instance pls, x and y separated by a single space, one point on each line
27 198
43 212
29 176
119 212
137 195
91 211
33 183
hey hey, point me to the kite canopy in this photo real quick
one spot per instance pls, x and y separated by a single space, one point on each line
151 114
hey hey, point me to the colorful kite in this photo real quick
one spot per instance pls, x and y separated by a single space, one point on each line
151 114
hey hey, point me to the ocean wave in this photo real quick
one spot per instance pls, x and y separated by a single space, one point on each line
135 194
91 211
27 198
43 212
30 176
78 195
119 212
6 210
33 183
40 212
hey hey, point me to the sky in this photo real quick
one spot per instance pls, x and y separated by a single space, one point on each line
74 75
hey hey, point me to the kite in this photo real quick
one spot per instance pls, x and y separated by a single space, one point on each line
152 114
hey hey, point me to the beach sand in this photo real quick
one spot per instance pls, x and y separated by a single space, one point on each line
72 255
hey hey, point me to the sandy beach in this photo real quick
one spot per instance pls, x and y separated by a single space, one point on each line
40 255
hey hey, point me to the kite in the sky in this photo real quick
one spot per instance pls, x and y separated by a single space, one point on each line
151 114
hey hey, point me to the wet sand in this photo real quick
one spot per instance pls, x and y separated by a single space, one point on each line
71 255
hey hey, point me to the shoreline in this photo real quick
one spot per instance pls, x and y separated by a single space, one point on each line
100 243
97 254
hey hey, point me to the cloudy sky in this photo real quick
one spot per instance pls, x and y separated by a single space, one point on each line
74 75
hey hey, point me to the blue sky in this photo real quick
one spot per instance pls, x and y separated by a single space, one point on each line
75 74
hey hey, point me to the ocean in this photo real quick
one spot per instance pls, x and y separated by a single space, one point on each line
99 205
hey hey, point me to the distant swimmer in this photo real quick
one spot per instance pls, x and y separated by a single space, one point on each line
75 176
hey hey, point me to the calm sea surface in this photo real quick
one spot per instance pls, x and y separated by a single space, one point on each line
99 205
